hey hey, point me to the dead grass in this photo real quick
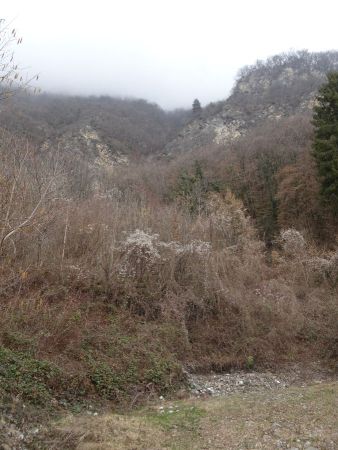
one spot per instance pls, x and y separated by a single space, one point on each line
275 419
289 418
107 432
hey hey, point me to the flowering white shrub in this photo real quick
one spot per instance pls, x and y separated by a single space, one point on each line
322 268
139 253
292 241
142 243
319 264
142 251
198 247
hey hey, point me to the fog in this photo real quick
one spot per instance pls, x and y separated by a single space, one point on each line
168 52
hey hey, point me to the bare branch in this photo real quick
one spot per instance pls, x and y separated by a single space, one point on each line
11 75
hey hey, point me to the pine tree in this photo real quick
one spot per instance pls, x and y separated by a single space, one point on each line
196 108
325 146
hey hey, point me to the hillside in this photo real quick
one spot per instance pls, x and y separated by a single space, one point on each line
282 86
126 275
105 130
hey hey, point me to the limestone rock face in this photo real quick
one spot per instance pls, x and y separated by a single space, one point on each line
282 86
85 143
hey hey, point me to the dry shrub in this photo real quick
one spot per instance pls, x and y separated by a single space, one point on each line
229 226
106 432
292 241
130 253
51 326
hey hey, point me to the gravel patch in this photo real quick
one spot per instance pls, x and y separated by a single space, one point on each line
252 381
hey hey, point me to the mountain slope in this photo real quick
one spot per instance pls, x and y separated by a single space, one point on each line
111 131
282 86
95 128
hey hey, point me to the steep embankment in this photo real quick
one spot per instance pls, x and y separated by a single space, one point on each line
282 86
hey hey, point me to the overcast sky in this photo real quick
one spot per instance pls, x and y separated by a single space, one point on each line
167 51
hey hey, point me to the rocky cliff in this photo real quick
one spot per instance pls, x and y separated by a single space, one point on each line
283 85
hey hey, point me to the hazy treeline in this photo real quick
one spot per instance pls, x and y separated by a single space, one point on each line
283 80
132 127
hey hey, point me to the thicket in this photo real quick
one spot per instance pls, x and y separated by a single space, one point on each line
271 169
118 290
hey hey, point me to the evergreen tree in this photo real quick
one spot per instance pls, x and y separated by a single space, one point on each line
193 188
325 146
196 108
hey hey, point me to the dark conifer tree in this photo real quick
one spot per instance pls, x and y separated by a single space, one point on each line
325 146
196 108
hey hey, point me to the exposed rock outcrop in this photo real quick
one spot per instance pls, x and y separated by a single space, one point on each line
86 143
282 86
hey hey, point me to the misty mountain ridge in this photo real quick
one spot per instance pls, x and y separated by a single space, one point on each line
101 130
111 131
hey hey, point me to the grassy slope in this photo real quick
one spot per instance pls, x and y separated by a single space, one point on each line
291 418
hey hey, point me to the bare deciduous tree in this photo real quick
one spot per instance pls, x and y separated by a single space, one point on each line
12 77
25 192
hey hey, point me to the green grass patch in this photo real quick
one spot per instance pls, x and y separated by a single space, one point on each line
181 417
27 377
